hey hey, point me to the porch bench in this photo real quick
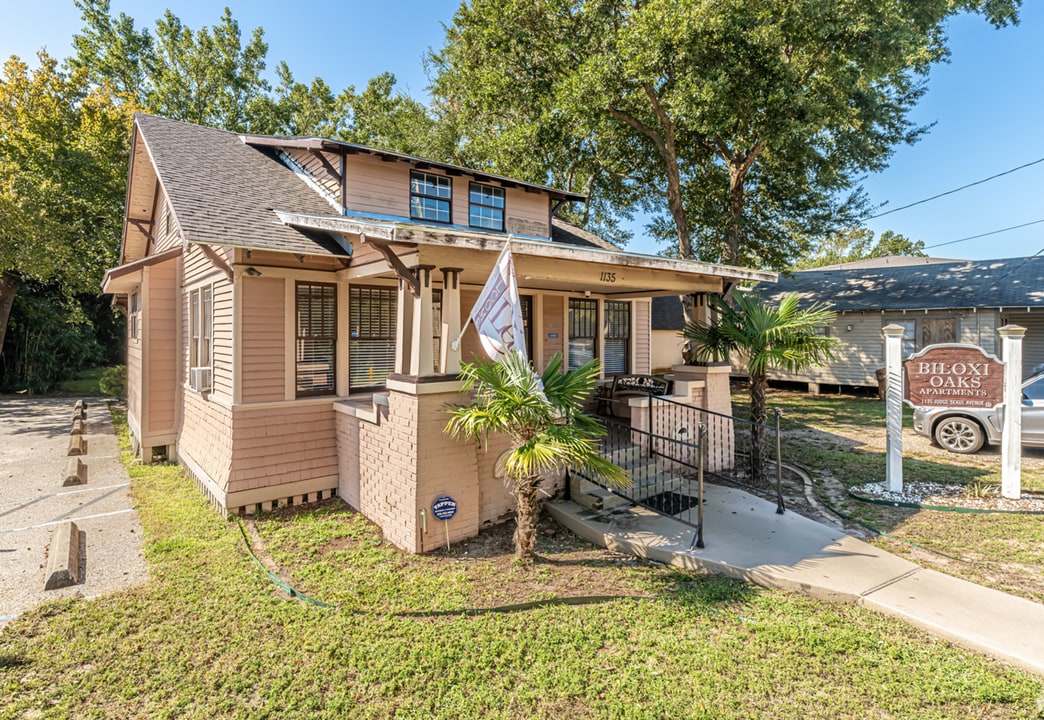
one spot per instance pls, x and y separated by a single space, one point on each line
627 386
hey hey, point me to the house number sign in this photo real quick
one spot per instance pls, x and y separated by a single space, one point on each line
607 277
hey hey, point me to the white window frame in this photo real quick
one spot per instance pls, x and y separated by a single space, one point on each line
201 338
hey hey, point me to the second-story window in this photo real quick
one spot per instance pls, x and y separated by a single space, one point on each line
430 197
486 207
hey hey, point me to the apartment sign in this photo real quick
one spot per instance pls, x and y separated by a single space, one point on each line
953 375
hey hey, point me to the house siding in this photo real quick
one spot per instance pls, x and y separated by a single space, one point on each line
264 339
383 188
1033 341
283 444
165 237
161 336
553 323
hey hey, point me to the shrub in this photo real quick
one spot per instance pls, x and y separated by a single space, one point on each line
114 381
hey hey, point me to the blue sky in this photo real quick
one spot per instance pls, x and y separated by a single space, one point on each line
987 103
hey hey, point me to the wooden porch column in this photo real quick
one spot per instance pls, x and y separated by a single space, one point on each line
404 328
422 352
449 359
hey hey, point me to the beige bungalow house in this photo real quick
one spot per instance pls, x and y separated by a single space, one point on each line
291 304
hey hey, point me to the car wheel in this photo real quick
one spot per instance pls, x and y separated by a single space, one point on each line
959 435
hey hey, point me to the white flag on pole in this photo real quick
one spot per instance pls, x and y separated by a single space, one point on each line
498 312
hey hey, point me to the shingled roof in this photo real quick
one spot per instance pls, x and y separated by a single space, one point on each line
223 191
1005 283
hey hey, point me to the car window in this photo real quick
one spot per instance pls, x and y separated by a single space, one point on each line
1035 390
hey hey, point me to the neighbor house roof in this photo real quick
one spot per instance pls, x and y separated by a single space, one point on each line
1004 283
223 192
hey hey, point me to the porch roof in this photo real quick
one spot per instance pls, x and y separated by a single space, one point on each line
540 264
123 279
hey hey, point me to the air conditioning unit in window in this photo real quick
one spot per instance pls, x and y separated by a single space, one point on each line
201 379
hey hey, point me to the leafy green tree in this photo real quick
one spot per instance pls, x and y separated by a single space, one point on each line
857 243
698 107
547 425
766 337
63 146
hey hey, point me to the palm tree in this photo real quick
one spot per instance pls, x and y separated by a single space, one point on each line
782 337
545 419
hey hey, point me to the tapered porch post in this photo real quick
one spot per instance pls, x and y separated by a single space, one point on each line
449 359
404 331
422 353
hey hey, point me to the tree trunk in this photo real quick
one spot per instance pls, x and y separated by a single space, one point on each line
758 386
8 287
734 222
526 510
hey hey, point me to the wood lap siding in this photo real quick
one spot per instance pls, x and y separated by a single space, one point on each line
375 186
163 350
264 341
284 444
206 437
314 167
134 379
164 239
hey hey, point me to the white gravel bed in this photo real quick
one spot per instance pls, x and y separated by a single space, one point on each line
949 495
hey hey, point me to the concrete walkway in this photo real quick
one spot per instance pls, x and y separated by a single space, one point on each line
745 538
34 438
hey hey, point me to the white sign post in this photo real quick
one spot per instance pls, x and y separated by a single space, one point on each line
1011 431
893 340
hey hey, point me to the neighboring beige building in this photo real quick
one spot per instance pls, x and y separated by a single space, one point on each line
290 305
937 301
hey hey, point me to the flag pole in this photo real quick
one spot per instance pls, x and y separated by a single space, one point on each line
455 345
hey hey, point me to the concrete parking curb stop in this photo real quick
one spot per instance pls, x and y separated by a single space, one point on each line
75 472
63 563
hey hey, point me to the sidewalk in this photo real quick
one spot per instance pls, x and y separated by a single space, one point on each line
34 437
746 539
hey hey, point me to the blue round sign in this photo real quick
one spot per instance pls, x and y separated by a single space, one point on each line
444 507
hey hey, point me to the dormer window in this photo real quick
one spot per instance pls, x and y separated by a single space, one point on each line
430 197
486 207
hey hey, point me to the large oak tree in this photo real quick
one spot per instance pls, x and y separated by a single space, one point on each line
748 121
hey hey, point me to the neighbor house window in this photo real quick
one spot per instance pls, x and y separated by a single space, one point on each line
583 331
201 338
617 336
486 207
430 197
316 338
371 347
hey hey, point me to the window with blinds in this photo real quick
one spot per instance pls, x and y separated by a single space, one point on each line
583 331
617 337
371 346
316 338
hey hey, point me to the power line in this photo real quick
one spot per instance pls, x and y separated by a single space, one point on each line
981 235
951 192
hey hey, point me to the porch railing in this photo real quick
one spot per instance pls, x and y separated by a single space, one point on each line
729 455
669 482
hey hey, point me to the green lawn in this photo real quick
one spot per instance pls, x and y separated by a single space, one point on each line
839 440
436 637
85 383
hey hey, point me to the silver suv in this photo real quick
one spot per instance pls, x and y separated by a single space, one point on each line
966 430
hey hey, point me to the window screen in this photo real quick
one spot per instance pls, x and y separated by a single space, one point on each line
316 338
371 347
617 336
583 331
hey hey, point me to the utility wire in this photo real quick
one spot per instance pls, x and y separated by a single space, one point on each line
951 192
981 235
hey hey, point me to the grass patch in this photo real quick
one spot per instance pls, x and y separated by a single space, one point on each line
840 441
84 383
209 637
